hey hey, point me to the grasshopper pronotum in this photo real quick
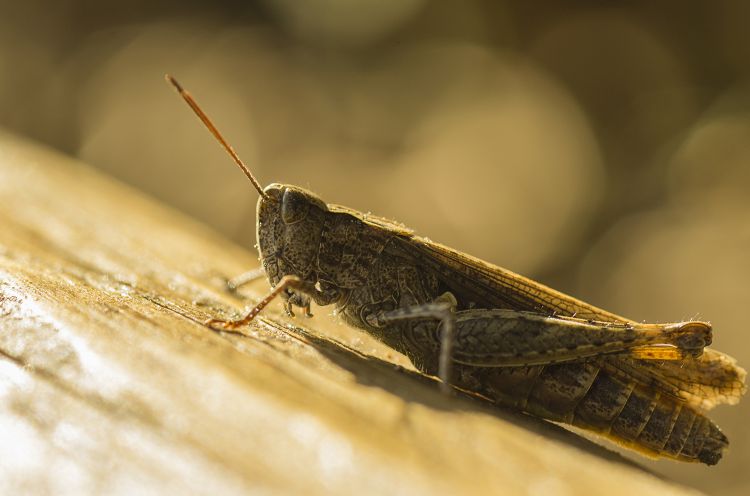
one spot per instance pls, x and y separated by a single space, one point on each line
485 329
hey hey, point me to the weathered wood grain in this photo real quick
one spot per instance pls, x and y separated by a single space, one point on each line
109 383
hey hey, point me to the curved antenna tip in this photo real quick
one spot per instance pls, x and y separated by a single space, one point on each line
173 82
212 128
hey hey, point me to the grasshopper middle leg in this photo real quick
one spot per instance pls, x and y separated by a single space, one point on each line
442 309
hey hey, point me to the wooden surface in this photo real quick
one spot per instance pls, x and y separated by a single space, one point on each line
109 383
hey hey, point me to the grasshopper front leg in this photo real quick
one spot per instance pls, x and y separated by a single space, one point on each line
287 282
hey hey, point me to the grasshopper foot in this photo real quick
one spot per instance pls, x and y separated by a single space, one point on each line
224 325
230 287
288 308
306 310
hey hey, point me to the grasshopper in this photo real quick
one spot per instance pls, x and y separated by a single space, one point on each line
487 330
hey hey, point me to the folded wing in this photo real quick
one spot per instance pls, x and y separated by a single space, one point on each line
711 379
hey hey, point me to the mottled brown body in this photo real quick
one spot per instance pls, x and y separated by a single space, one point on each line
512 333
506 337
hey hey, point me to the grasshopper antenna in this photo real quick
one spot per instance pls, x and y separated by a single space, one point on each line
211 127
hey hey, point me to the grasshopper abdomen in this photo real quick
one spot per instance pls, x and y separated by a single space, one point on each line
590 397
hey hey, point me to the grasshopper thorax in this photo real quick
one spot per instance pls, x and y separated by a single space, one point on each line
289 228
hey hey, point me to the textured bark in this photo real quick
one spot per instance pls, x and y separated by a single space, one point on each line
109 383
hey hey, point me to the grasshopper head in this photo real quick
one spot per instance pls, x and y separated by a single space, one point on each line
290 219
289 227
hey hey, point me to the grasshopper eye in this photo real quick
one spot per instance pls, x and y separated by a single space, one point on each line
294 206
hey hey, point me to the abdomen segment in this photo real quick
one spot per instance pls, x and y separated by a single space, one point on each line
586 395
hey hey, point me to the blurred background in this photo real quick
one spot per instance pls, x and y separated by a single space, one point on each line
600 147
